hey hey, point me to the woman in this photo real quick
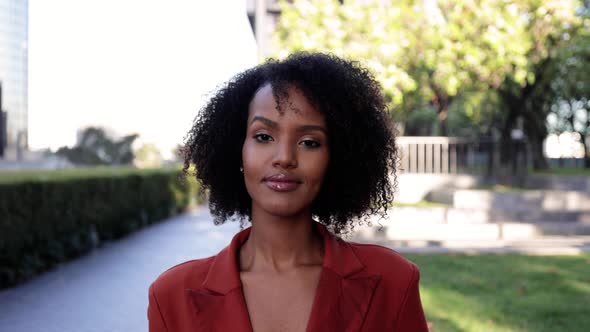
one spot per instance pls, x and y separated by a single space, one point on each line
282 145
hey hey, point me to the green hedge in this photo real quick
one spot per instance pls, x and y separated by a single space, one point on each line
47 218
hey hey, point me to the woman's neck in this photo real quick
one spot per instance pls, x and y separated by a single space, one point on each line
278 244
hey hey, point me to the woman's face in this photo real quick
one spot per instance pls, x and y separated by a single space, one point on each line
285 155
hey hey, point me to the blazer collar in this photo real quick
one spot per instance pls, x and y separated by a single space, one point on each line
342 298
224 275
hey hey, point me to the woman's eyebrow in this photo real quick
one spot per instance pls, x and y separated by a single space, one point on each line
312 127
274 124
264 120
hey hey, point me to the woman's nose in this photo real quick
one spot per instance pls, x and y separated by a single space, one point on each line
285 156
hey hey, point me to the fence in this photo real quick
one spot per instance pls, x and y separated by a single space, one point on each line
451 155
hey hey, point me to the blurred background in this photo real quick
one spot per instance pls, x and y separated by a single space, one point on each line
490 99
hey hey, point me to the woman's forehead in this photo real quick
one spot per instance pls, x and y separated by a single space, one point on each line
291 104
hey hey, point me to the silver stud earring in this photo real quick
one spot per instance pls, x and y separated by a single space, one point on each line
241 169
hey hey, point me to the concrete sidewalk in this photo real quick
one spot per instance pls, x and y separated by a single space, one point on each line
107 289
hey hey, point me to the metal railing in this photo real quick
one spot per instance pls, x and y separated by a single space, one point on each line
452 155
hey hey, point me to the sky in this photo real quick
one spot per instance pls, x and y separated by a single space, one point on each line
134 66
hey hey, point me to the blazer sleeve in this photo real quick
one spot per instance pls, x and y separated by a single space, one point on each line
155 318
411 316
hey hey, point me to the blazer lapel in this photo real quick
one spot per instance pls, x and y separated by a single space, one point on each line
218 312
218 303
345 290
341 301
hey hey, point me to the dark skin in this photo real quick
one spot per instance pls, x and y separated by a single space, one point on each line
285 156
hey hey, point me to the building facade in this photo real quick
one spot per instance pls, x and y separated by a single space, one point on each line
14 31
269 12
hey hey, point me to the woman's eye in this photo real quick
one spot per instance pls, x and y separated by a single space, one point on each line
308 143
263 138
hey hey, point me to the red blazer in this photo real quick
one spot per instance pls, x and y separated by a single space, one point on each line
362 287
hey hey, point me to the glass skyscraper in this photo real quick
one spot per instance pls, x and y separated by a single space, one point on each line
14 31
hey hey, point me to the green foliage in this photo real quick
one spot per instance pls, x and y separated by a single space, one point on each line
95 147
466 43
420 50
505 292
370 32
475 114
421 122
48 219
8 176
443 54
557 72
568 98
148 155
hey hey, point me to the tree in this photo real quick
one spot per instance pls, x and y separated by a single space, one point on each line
570 92
148 155
424 53
95 147
433 54
371 32
550 25
461 47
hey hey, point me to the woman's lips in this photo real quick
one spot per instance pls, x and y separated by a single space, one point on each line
281 186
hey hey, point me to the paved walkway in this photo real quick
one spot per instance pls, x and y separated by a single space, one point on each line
107 289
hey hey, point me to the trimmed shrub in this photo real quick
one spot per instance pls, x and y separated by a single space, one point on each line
47 218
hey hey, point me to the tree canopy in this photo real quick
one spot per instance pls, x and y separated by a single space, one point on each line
96 147
491 61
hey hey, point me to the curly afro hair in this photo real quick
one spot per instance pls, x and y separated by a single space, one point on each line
360 179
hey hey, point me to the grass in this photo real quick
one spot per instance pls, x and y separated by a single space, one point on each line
566 171
501 188
501 293
420 204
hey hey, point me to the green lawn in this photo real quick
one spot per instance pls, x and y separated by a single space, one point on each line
420 204
566 171
495 293
501 188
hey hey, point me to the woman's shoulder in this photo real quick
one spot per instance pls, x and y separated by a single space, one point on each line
185 275
386 262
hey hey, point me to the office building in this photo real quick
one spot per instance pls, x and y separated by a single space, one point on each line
13 74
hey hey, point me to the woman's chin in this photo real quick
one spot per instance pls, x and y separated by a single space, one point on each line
283 210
